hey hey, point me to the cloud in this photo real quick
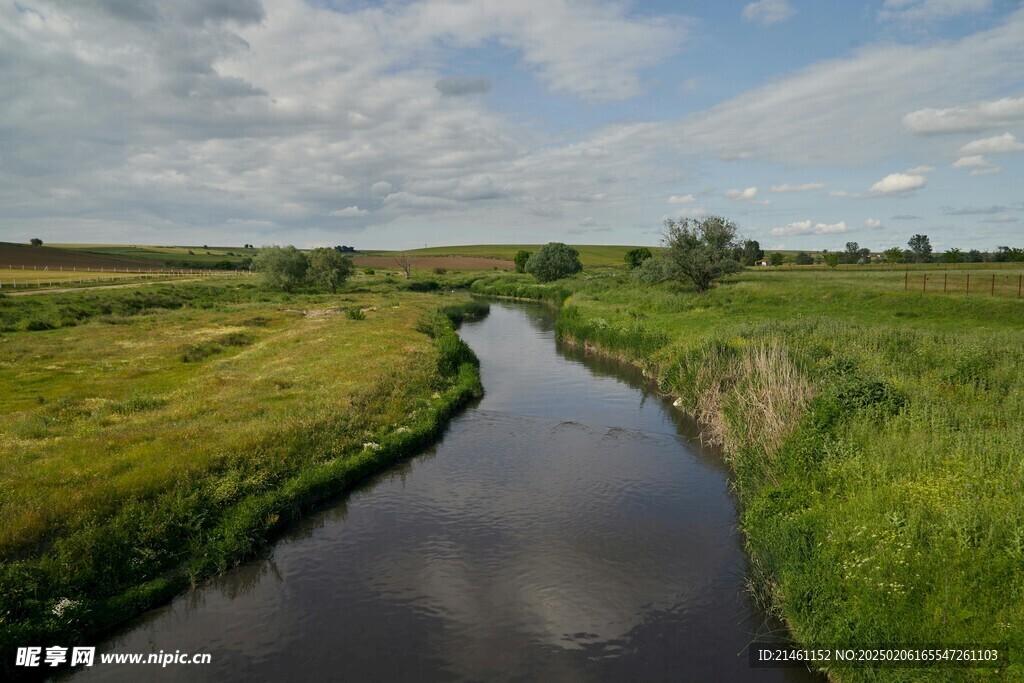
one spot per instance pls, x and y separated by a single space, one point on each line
747 195
907 217
968 119
987 171
1003 218
912 11
1007 142
455 87
838 193
348 212
971 161
873 224
681 199
898 183
919 170
692 212
972 210
806 228
768 12
786 187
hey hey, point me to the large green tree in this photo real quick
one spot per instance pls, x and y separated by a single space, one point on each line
553 261
328 268
921 246
282 267
700 251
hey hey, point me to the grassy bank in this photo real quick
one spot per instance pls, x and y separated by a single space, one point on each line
875 435
153 437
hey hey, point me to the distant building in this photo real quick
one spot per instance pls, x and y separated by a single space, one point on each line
763 262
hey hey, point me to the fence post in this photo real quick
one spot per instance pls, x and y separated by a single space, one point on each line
945 276
968 283
906 275
1020 278
924 286
993 284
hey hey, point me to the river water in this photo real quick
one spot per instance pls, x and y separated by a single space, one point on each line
568 527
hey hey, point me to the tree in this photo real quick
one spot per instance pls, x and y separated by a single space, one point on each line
832 260
893 255
921 246
699 251
521 257
634 257
36 242
953 255
803 259
975 256
751 252
404 261
852 253
778 258
553 261
282 267
327 267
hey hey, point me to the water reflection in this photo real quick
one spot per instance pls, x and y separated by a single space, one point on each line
565 528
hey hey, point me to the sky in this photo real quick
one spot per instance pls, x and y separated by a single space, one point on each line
406 123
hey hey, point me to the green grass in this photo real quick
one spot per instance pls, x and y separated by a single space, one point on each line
591 255
155 436
876 438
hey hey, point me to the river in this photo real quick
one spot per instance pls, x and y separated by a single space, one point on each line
568 527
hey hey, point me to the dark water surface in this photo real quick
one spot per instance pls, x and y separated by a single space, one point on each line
566 528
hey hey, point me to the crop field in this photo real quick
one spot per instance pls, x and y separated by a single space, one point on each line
153 434
876 439
590 255
163 253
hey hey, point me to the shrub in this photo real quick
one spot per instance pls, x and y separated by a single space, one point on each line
554 261
440 271
521 257
355 313
634 257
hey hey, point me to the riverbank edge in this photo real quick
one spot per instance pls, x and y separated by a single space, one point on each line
706 409
256 520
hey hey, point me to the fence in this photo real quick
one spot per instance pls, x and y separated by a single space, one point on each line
994 284
24 276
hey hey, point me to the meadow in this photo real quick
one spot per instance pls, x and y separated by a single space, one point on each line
591 255
152 436
875 436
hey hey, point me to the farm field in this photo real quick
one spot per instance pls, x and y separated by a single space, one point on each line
152 435
150 253
875 435
590 255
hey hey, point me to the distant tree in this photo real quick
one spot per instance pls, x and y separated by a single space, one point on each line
700 251
282 267
328 268
751 252
832 259
553 261
803 259
953 255
521 257
634 257
921 247
852 253
36 242
778 258
863 255
404 261
893 255
975 256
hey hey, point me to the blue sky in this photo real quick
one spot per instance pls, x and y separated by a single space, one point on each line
399 124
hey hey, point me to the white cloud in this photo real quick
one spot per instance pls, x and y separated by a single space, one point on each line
693 212
786 187
897 183
911 11
1007 142
991 170
838 193
873 224
919 170
1002 218
348 212
682 199
768 12
971 161
805 227
980 116
747 195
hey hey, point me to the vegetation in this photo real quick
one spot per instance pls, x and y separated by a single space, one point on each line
521 257
36 242
328 268
634 257
554 261
920 248
154 436
282 267
590 255
875 437
700 251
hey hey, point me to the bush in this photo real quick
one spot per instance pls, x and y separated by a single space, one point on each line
521 257
651 271
368 271
355 313
554 261
634 257
422 286
440 271
282 267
